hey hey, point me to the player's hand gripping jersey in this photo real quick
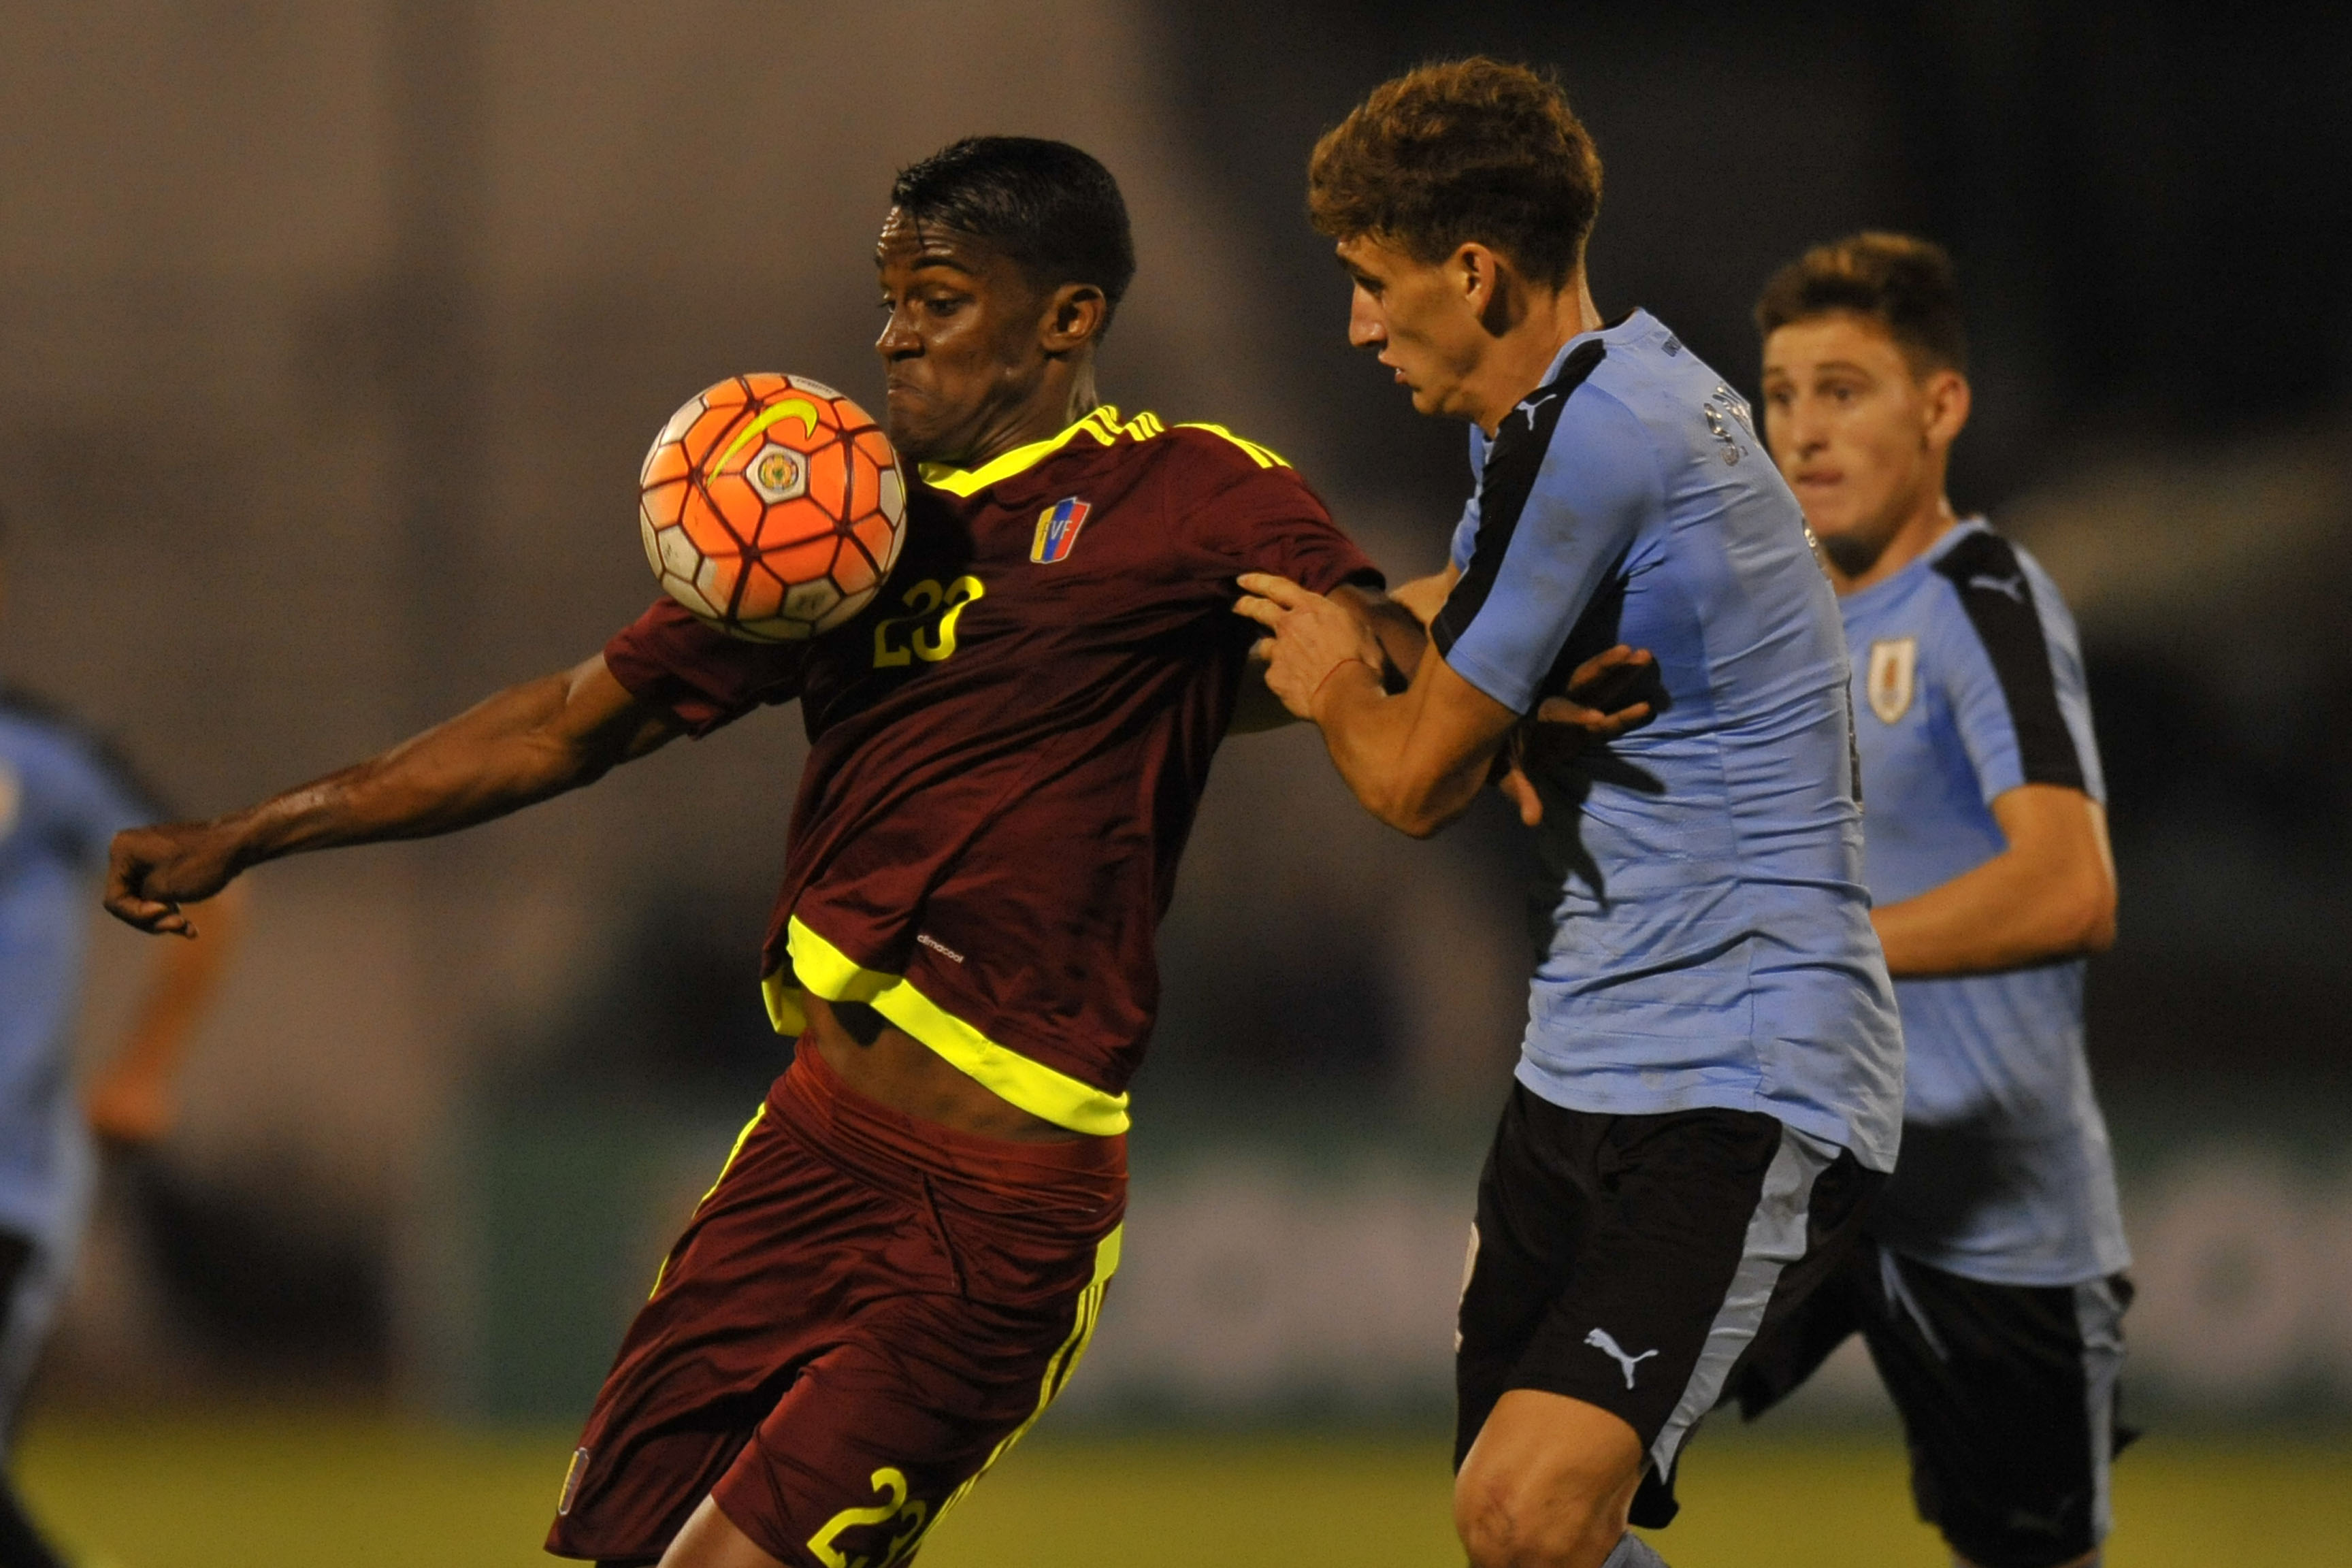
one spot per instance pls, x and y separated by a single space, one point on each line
1704 934
1009 746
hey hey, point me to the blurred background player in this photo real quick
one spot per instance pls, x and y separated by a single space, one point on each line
906 1255
1989 1287
63 795
1711 1076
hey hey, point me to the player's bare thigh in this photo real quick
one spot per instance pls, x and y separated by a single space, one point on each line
710 1539
1548 1484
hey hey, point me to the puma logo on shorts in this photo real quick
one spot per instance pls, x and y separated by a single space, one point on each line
1599 1339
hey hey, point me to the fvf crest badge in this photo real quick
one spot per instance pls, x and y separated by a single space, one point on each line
1893 672
1058 529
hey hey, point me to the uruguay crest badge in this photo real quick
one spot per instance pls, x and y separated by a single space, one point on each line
1893 671
1058 529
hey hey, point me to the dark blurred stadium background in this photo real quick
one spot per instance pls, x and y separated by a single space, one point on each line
330 336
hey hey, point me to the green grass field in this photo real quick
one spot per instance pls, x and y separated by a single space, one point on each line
275 1492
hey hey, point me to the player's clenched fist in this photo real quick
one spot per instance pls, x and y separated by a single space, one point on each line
152 871
1314 637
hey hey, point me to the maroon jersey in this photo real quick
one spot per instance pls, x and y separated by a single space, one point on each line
1008 746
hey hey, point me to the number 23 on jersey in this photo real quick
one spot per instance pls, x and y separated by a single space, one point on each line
927 631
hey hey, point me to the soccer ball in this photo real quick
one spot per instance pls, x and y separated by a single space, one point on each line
771 507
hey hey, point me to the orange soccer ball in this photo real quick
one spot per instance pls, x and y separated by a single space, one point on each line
771 507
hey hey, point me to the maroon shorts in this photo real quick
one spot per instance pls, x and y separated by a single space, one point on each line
864 1313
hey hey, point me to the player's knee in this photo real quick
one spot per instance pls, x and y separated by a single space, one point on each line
1515 1521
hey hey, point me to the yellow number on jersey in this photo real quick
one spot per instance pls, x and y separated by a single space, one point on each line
925 600
895 1506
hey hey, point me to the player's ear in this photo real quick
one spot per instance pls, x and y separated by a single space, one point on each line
1947 402
1075 314
1476 274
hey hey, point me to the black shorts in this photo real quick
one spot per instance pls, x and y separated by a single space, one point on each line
2008 1394
1631 1261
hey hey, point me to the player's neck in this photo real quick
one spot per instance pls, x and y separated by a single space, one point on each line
1912 539
1064 396
1520 357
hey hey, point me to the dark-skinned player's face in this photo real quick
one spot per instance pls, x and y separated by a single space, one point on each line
962 352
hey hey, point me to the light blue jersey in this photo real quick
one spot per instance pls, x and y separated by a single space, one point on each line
1969 683
62 797
1704 938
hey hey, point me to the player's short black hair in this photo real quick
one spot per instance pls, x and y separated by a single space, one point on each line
1050 206
1906 284
1461 150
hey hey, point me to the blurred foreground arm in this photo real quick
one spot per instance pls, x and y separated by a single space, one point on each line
2050 895
527 744
131 1102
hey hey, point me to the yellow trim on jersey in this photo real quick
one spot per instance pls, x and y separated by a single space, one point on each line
1104 425
785 1010
1064 1363
824 969
1264 456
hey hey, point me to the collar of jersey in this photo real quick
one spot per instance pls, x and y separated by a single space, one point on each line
1636 320
1103 424
1887 588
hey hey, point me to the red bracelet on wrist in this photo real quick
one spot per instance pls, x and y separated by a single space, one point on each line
1351 659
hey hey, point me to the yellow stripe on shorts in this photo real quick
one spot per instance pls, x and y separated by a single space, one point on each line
1064 1362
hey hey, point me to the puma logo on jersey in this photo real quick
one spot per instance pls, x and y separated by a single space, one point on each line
1599 1339
2012 586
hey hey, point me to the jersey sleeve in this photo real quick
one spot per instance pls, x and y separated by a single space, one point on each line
1466 532
1557 510
700 677
1256 511
2012 674
1466 537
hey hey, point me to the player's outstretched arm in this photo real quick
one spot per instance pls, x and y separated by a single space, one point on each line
2049 896
1416 760
523 745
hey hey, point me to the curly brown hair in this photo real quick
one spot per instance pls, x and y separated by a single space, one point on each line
1905 284
1462 151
